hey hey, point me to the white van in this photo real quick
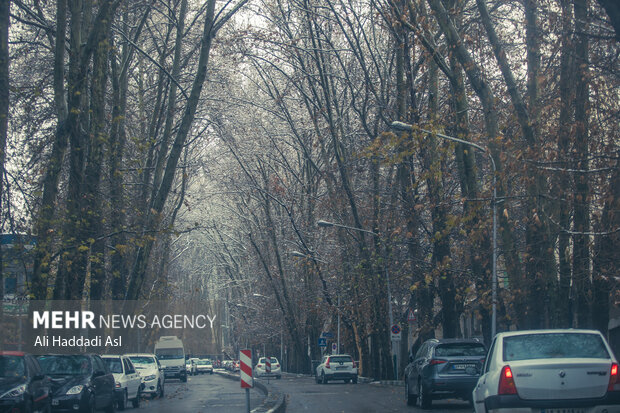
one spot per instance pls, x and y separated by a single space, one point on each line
169 350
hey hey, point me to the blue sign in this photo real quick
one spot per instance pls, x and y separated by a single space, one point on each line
327 334
322 342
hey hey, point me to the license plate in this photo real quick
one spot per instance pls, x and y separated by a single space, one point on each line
563 410
55 402
462 366
341 368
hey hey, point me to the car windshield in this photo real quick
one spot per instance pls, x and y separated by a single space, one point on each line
65 365
11 366
340 359
143 360
554 345
460 349
169 353
114 364
202 362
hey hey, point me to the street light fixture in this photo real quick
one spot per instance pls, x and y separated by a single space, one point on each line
401 126
326 224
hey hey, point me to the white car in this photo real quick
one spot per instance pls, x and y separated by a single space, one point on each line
190 366
336 367
151 372
549 371
204 366
260 370
128 383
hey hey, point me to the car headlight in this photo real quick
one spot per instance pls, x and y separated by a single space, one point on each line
76 389
149 377
16 392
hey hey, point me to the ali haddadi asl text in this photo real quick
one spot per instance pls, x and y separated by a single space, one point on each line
75 341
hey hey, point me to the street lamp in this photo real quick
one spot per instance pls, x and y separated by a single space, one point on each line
401 126
326 224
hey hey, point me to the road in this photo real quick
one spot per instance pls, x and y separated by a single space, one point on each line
201 394
304 395
214 393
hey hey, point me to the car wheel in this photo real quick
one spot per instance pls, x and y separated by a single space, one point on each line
323 378
411 399
123 402
161 391
184 379
316 378
136 402
424 400
111 407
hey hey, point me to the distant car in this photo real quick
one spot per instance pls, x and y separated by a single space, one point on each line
336 367
236 365
151 372
128 382
260 370
204 366
190 366
23 386
80 382
549 371
446 368
227 364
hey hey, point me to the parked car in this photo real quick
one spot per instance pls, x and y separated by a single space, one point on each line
227 364
236 365
446 368
261 371
23 386
128 382
550 371
80 382
151 372
336 367
190 366
204 366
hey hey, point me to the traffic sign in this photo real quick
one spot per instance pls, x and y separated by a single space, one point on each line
396 332
334 348
411 316
322 342
245 368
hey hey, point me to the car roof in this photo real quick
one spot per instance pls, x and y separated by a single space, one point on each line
455 340
140 355
109 356
548 331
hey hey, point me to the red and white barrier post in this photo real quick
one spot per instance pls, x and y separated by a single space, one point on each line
245 371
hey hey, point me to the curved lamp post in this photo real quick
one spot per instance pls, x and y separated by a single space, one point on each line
401 126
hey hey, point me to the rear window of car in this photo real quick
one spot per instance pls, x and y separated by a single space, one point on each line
554 345
460 350
340 359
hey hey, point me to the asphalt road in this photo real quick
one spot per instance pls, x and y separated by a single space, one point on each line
201 394
304 395
214 393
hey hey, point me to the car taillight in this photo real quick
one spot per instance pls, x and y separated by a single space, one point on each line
437 361
354 365
327 365
613 377
506 382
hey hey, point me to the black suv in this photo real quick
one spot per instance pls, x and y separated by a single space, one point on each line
80 382
442 369
23 387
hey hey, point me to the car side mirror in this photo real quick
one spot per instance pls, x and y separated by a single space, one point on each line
410 358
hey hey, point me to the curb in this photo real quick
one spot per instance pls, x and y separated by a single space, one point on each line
274 401
399 383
